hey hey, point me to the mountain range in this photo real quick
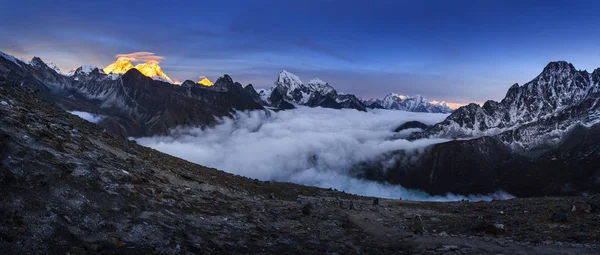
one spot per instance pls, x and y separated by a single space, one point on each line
543 138
132 103
289 91
150 69
70 187
418 103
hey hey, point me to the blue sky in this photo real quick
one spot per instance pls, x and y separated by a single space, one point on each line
457 51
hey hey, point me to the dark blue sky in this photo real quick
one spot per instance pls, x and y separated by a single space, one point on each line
457 51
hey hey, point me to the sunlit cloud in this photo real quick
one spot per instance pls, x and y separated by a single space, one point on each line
149 67
141 56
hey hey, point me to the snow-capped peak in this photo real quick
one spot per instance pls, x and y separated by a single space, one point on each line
205 81
120 66
10 58
415 103
54 67
320 86
84 69
559 67
288 80
153 70
443 103
39 63
392 95
149 69
316 81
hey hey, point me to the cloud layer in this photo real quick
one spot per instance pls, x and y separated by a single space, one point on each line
311 146
141 56
94 118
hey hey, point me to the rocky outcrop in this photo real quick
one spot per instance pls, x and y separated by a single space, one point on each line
252 92
411 124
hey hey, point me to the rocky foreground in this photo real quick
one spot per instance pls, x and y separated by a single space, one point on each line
70 187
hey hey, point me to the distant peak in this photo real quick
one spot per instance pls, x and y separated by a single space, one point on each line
397 95
36 61
224 80
153 70
188 83
556 66
39 63
84 69
119 67
285 72
54 67
316 81
150 69
442 103
288 80
205 81
11 58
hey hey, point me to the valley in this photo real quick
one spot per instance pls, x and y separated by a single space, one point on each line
70 186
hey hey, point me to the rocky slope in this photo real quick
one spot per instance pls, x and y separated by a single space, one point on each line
416 103
68 186
289 90
541 139
134 104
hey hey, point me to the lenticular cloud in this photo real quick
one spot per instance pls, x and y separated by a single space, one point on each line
310 146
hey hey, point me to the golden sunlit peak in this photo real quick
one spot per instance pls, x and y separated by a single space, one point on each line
150 68
153 70
205 81
122 65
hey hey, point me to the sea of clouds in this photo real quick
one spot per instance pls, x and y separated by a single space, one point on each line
310 146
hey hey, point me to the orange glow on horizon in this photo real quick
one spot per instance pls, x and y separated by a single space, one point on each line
454 106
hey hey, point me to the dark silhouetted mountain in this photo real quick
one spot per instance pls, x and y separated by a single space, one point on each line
411 124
